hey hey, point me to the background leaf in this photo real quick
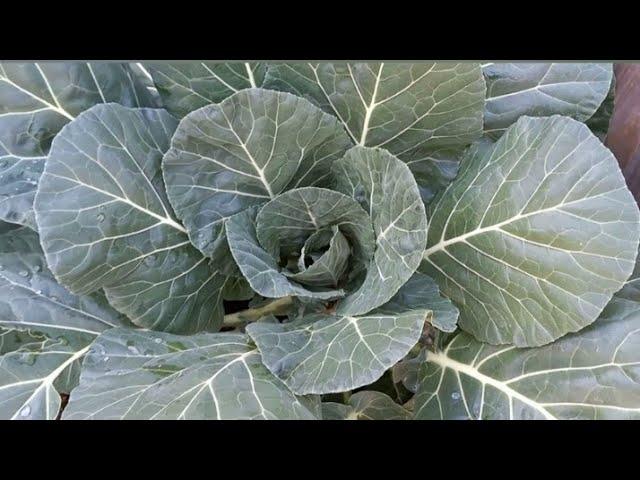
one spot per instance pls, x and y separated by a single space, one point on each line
187 86
423 113
365 405
542 89
44 330
36 101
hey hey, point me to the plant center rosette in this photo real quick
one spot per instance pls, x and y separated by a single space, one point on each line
306 214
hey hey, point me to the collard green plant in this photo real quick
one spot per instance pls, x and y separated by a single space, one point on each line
343 241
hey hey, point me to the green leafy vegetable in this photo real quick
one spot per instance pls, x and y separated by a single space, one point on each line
300 241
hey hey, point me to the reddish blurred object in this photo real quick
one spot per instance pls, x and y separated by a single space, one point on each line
623 137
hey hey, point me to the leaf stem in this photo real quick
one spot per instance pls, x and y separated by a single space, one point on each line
278 306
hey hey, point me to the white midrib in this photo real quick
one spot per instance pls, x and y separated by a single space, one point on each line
166 220
209 383
536 88
370 108
442 244
47 381
252 80
55 108
444 361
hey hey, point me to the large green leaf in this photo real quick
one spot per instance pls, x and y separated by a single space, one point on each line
256 239
187 86
243 152
535 236
105 222
132 374
424 113
366 405
589 375
36 101
323 353
387 190
540 89
44 330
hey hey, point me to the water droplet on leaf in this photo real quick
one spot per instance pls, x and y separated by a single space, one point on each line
26 410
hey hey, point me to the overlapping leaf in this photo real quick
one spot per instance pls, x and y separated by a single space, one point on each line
591 375
328 267
148 375
187 86
243 152
540 89
365 405
44 330
257 240
323 353
599 121
105 222
423 113
535 236
387 190
36 101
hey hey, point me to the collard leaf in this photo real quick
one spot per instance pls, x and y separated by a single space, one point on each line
285 223
387 190
132 374
243 152
105 222
44 330
36 101
365 405
237 289
187 86
422 292
323 353
423 113
145 78
31 299
6 227
589 375
407 371
259 265
599 122
535 236
329 267
541 89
